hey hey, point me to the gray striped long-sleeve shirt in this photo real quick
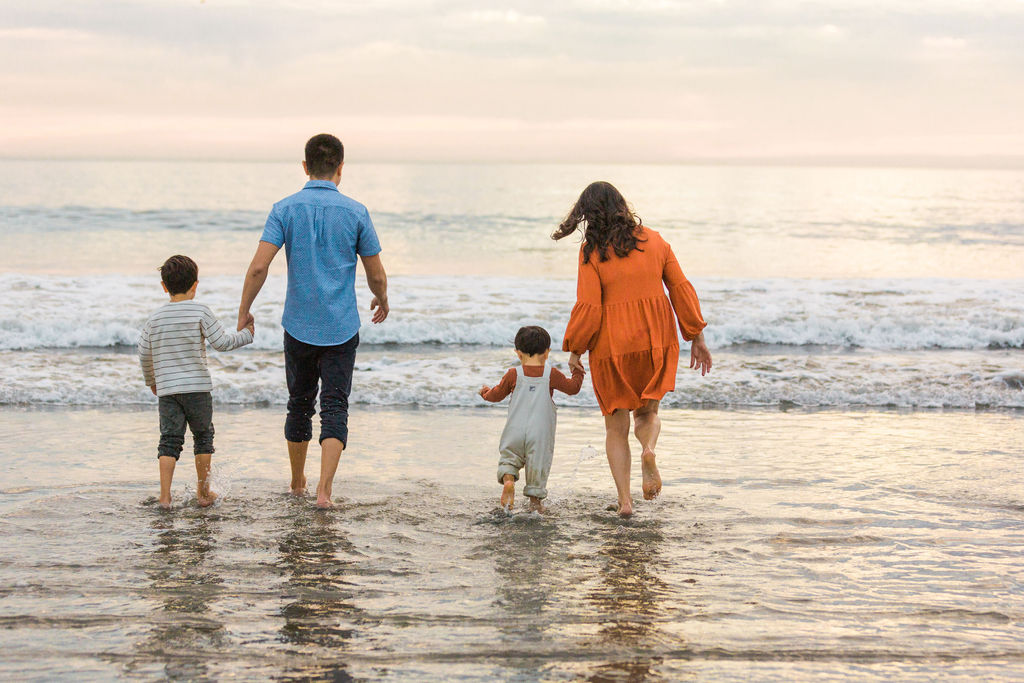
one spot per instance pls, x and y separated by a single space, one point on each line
172 348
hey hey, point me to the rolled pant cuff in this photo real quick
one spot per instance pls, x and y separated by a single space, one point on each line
535 492
507 469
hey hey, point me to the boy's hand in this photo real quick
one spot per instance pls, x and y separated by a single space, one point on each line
246 320
153 389
484 390
575 363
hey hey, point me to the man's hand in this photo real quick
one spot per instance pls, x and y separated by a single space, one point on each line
484 390
700 357
245 319
382 309
251 326
153 389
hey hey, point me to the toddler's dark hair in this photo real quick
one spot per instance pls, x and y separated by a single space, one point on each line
532 340
324 153
179 273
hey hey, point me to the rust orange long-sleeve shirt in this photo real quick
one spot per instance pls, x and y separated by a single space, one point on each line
557 380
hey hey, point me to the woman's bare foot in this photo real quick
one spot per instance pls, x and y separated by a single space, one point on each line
508 493
652 478
626 508
536 505
207 499
299 490
324 503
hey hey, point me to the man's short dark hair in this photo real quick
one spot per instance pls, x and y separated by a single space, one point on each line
532 340
324 153
179 273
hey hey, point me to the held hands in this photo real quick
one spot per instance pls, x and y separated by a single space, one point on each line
700 357
575 363
382 309
246 320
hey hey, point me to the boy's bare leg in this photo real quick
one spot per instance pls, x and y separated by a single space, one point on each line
297 458
204 496
167 464
508 491
330 456
536 505
617 446
647 427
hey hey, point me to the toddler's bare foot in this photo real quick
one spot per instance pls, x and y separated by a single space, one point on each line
299 490
508 494
207 499
536 505
652 478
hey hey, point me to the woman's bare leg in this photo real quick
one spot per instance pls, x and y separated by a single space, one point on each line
647 427
617 446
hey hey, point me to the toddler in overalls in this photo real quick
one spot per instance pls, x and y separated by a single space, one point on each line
529 435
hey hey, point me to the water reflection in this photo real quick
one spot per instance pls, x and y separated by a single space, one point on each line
320 617
630 599
185 632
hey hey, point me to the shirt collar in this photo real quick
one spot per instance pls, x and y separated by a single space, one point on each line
320 185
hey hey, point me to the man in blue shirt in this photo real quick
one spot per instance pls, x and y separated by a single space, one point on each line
322 232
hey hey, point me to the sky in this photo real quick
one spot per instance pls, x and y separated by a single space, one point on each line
555 80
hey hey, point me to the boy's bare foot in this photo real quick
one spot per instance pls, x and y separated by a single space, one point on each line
508 493
536 505
207 499
299 490
652 478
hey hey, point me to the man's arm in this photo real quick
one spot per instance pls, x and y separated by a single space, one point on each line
377 280
254 279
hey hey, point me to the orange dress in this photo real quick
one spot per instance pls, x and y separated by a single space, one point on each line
624 319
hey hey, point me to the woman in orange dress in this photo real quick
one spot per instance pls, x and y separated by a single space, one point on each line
624 319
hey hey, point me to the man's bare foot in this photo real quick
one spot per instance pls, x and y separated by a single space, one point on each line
508 494
164 503
299 490
207 499
652 478
536 505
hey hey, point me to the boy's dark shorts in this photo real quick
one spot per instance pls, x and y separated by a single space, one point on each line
177 410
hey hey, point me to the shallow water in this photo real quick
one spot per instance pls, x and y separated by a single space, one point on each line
792 545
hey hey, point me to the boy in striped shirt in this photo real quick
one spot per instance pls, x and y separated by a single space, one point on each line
172 352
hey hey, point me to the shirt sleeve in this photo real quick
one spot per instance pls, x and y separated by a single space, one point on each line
585 319
367 243
503 388
273 230
146 357
683 297
567 386
219 338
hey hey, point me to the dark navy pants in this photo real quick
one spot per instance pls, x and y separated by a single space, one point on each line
308 369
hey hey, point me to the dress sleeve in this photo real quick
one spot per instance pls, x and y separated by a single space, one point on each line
502 388
683 297
585 320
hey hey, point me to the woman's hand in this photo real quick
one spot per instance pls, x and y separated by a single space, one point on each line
700 357
575 363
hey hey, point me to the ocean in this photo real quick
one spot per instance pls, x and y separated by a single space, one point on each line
842 493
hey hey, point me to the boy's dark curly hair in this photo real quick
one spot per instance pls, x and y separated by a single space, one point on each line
179 273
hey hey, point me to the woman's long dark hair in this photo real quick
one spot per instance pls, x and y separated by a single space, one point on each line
605 219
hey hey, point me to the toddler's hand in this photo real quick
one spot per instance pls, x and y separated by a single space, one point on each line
153 389
483 390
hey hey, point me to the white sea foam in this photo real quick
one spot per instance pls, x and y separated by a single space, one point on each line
39 312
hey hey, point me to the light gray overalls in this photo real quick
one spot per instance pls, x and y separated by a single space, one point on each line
529 435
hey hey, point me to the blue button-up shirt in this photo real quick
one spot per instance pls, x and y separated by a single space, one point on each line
322 231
